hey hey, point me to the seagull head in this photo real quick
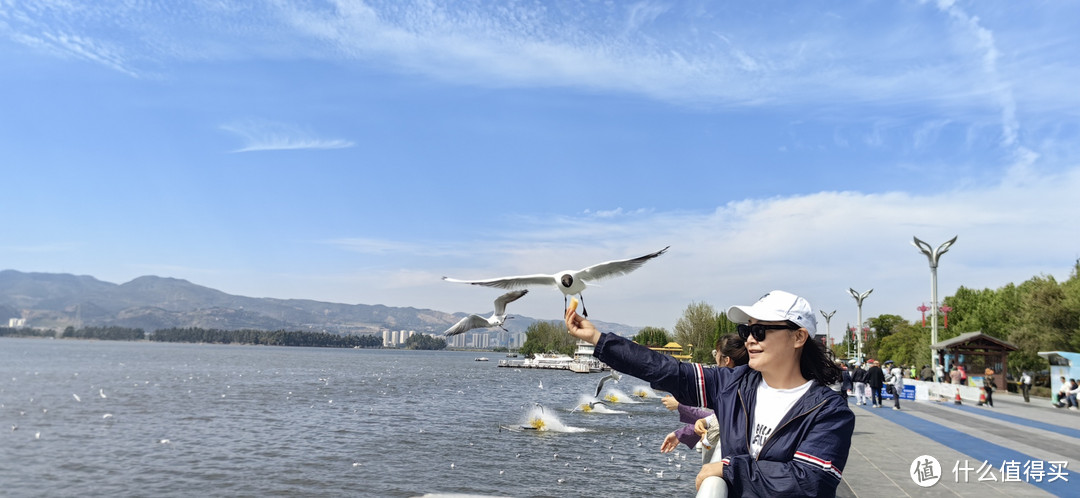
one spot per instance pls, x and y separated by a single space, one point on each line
567 280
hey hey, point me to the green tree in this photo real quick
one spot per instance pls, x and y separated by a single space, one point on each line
698 327
992 312
652 336
906 344
882 326
1045 323
547 337
424 341
1071 301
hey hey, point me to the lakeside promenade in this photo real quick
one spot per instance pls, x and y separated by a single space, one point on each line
1024 438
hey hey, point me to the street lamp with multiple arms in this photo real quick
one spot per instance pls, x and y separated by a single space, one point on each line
828 316
859 298
933 255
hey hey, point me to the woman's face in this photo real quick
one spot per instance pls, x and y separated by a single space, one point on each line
778 352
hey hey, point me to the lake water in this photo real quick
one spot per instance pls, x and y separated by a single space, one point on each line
151 419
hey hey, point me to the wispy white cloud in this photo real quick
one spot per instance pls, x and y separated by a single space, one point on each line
268 135
615 213
985 45
689 54
927 133
816 244
640 14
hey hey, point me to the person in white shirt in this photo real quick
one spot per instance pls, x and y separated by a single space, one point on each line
1025 386
896 378
784 432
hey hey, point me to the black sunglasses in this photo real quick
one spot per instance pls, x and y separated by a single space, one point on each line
758 330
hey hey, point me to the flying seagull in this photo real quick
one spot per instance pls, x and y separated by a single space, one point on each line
600 385
495 320
570 282
588 407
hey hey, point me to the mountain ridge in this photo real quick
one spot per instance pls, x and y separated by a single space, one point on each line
149 302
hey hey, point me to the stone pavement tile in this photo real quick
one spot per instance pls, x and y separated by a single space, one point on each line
1038 409
1036 442
882 454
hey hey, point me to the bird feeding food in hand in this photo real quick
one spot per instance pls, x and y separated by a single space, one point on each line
569 282
573 304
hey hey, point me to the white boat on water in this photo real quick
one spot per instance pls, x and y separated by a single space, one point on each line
482 358
584 361
581 363
548 360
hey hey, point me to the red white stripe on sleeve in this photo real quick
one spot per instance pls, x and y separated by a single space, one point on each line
700 385
825 465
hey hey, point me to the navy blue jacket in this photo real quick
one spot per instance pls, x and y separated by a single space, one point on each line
875 377
804 456
859 375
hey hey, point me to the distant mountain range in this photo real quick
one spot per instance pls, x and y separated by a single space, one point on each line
59 300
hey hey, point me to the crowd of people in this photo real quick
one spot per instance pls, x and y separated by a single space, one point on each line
1066 395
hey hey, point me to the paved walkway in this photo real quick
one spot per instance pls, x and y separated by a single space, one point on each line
1013 435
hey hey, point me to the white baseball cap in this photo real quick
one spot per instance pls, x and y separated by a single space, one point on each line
777 306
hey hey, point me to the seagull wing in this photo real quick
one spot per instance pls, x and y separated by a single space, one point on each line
509 282
468 323
600 385
616 268
509 297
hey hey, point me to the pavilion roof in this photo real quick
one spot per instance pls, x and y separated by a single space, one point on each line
974 340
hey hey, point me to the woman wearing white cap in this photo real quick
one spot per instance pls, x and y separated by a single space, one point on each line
784 431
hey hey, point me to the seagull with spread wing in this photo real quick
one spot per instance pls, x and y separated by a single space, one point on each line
569 282
495 320
600 385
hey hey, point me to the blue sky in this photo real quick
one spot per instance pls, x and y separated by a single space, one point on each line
356 152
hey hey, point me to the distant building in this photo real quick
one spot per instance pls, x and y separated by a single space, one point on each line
16 322
674 350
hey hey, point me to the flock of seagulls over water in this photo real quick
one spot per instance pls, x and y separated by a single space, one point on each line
569 282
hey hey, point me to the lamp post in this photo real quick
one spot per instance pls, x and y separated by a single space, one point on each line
859 298
828 316
933 255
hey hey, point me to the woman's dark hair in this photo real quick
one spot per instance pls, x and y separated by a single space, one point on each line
819 363
734 347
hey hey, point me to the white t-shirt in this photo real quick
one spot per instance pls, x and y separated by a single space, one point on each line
771 407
